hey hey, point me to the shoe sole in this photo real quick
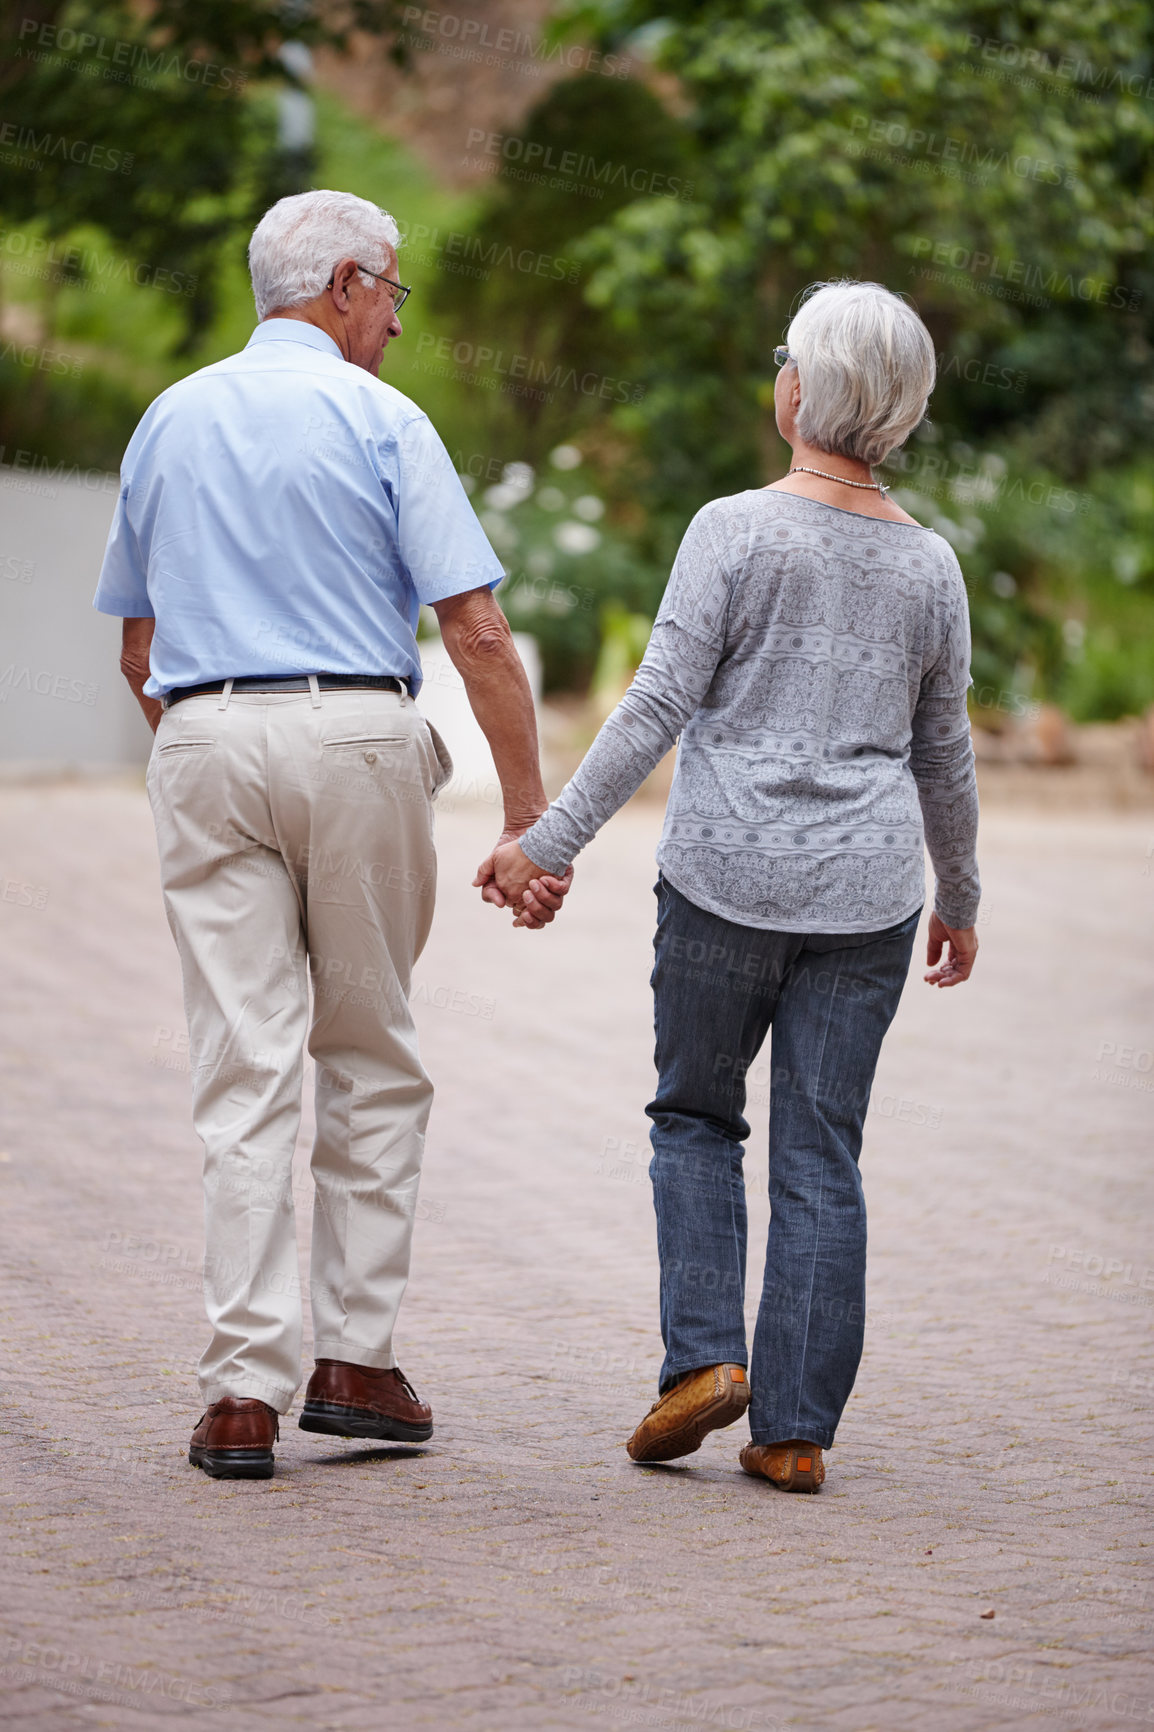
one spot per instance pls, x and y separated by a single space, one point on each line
232 1463
690 1436
337 1421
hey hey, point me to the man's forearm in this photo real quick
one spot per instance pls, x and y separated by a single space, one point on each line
135 666
480 645
502 702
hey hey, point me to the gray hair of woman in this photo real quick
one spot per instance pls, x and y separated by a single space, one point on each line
296 244
866 368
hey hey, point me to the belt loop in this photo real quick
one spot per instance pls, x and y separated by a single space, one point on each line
225 695
314 688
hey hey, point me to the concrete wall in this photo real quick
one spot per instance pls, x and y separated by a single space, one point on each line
64 704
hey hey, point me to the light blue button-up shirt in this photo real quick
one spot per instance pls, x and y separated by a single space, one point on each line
284 512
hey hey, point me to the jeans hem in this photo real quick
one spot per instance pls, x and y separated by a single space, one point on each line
819 1435
671 1374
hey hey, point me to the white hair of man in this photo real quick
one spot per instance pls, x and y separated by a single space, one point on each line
866 366
297 244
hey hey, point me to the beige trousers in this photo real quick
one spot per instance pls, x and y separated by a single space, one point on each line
296 839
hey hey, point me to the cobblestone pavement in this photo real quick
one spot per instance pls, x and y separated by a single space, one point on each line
979 1557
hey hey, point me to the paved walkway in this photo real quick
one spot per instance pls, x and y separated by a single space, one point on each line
519 1572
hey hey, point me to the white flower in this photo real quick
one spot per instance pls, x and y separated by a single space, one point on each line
589 507
565 457
551 499
499 530
519 476
576 537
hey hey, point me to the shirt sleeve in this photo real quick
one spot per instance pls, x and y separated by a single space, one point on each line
122 588
441 542
942 762
687 642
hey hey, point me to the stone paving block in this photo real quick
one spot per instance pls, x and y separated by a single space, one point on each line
518 1572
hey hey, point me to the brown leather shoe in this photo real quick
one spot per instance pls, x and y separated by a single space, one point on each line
677 1422
362 1401
234 1438
792 1466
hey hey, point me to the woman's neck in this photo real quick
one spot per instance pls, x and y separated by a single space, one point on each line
854 488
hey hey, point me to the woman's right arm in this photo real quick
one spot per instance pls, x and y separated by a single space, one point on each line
686 644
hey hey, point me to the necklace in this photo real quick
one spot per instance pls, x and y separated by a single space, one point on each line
802 469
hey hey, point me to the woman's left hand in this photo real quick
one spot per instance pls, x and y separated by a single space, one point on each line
961 948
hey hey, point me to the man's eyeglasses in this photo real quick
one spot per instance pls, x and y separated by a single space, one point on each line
781 355
401 294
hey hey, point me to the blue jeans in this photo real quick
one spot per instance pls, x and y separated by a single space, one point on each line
717 989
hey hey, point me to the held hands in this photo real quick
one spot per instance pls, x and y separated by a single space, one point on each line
508 879
961 947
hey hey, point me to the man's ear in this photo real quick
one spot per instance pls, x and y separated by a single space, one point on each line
338 283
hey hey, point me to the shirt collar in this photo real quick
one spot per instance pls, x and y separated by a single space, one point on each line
294 331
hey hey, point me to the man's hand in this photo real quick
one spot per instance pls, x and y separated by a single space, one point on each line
961 947
508 879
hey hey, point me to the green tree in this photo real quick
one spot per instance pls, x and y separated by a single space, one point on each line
995 162
140 122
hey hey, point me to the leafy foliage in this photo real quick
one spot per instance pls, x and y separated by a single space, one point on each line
995 163
138 122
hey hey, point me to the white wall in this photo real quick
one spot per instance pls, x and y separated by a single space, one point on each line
444 701
64 703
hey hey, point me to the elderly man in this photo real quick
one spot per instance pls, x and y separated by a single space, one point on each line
282 516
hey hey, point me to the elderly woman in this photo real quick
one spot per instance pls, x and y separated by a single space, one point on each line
812 651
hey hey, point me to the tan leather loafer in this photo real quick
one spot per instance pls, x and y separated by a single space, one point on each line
234 1438
677 1422
793 1466
362 1401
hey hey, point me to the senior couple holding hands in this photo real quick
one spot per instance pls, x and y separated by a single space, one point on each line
282 517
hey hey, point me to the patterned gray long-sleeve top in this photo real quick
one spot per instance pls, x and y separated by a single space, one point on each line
815 663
